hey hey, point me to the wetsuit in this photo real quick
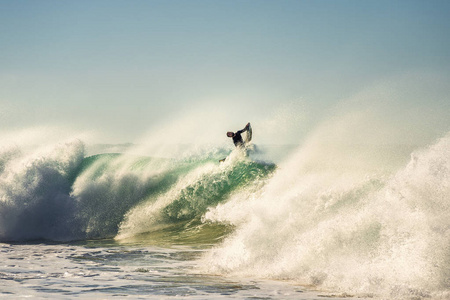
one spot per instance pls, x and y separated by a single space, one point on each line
237 138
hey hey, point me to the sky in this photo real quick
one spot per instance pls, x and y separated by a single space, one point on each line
122 69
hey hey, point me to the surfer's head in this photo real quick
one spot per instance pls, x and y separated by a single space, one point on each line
230 134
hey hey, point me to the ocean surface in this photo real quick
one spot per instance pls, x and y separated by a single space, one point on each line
313 221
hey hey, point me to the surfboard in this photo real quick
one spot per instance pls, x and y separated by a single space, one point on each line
248 136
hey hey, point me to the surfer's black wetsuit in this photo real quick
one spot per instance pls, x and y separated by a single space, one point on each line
237 137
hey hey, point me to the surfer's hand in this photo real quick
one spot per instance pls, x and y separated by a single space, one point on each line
248 125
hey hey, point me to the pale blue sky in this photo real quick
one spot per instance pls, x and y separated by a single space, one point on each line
121 67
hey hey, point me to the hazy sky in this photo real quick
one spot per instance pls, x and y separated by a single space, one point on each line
123 67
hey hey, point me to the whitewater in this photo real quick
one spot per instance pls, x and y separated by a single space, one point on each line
326 218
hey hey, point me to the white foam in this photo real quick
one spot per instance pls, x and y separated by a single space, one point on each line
347 219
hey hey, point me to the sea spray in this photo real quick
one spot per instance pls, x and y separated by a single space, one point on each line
361 229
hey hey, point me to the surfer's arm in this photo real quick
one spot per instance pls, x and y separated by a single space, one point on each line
245 129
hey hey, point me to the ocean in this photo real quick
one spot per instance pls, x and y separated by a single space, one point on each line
311 221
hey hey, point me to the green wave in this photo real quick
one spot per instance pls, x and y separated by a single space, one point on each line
213 188
110 186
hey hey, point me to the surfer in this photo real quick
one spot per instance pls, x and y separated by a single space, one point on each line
236 136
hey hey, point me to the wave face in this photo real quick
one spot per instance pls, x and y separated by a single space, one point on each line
329 218
61 195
